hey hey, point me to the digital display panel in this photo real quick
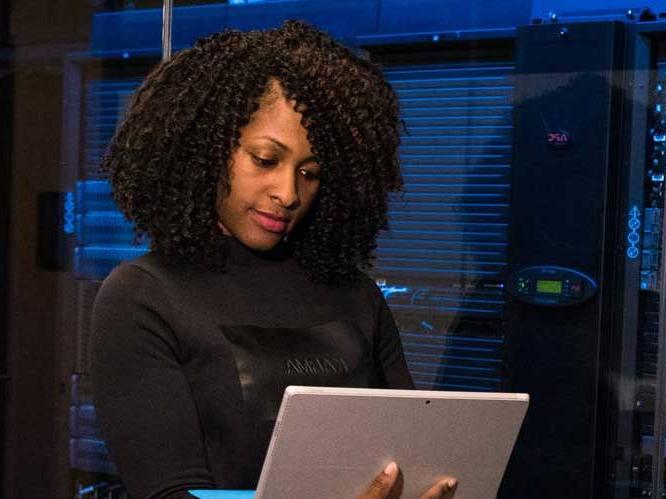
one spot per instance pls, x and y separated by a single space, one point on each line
550 287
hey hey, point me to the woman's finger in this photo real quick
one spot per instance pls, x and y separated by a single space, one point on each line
443 489
381 486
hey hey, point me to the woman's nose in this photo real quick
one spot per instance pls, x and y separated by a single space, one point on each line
284 190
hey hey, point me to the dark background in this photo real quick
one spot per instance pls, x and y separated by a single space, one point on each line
34 36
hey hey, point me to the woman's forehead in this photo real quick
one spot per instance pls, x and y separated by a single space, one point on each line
276 120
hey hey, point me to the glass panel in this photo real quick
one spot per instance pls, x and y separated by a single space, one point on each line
102 237
441 265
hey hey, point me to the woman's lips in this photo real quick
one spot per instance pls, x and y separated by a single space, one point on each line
270 222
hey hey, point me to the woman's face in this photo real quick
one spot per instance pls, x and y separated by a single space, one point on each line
273 175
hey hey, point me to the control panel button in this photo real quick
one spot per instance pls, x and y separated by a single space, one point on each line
551 286
524 286
573 288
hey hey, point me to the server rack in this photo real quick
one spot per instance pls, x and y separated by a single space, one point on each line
97 92
641 462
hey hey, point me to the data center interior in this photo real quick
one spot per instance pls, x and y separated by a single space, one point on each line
525 254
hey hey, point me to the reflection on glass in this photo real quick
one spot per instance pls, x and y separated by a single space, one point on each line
118 5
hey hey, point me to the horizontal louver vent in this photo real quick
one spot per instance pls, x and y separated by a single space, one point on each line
450 226
445 254
104 237
450 362
105 105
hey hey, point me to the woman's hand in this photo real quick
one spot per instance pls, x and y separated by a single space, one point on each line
387 485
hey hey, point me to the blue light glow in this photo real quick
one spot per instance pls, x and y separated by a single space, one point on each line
449 232
104 238
427 325
458 376
222 494
400 83
633 236
390 290
465 98
449 310
450 367
69 215
484 360
440 271
466 339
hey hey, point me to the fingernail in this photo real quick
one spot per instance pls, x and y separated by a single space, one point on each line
391 468
452 484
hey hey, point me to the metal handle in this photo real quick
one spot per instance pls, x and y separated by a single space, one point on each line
167 10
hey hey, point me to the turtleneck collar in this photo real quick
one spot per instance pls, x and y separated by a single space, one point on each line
239 254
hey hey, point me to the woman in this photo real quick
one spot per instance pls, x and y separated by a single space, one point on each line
259 164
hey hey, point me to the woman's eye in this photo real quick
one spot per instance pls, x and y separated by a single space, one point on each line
263 162
310 175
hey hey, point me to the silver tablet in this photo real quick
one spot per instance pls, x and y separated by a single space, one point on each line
331 442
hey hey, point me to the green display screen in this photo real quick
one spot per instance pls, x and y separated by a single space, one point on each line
552 287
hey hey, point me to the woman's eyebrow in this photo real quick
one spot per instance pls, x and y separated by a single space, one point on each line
284 147
275 141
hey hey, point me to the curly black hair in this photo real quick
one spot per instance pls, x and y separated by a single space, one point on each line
168 159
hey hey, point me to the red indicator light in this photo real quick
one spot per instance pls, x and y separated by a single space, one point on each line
558 138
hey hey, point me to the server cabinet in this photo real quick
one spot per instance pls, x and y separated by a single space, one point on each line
563 258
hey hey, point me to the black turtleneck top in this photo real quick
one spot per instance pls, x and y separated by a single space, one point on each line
190 365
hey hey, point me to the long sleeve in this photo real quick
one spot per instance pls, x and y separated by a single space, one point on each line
389 352
146 410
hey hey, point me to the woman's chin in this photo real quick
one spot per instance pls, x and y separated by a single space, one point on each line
262 242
